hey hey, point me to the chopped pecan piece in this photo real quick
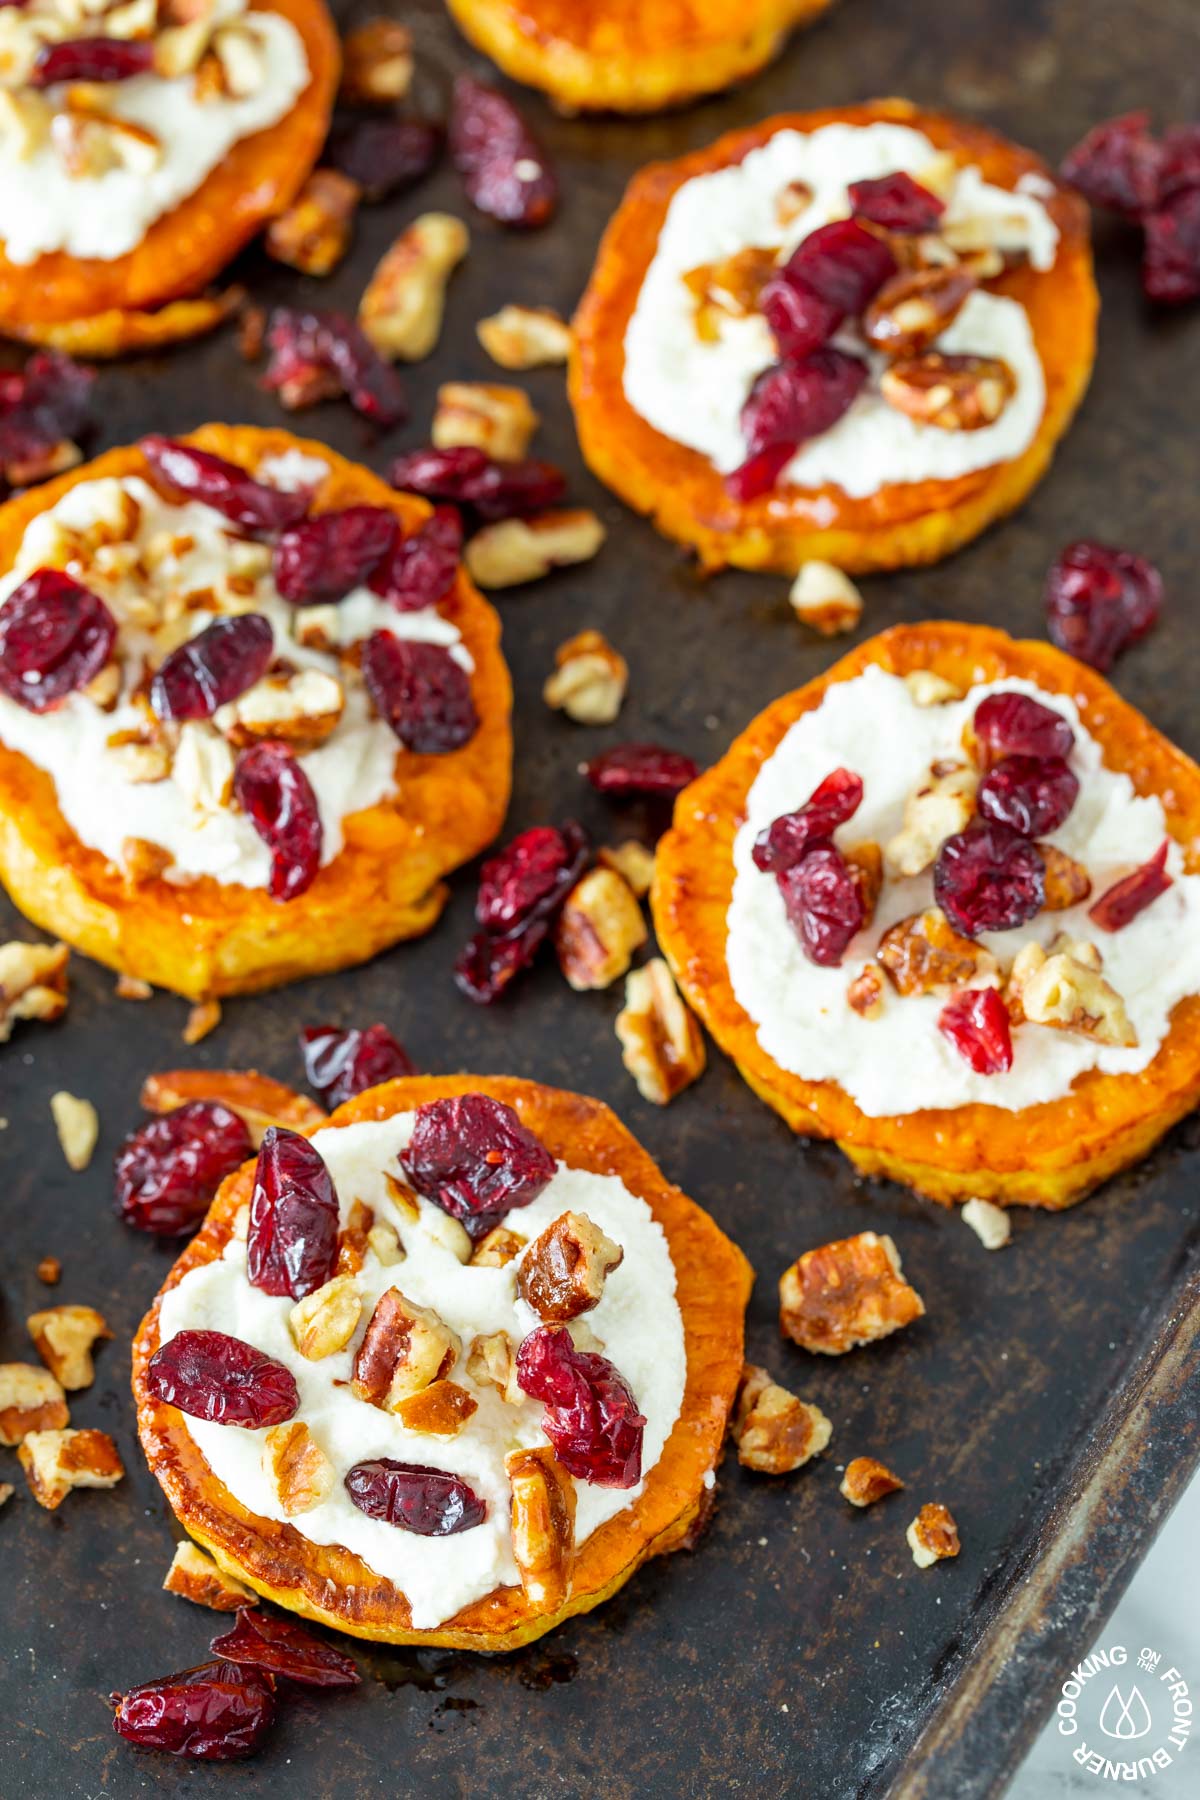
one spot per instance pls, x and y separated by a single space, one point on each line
492 1362
773 1430
143 861
33 984
297 1468
932 1535
325 1320
825 599
484 415
923 954
405 1349
598 930
202 1020
543 1524
498 1248
193 1575
661 1045
991 1224
377 63
7 1491
846 1293
865 860
78 1126
384 1240
934 811
953 393
354 1239
563 1272
1067 882
49 1271
64 1336
633 862
729 289
402 1197
1065 993
313 234
31 1399
57 1461
519 550
525 337
440 1410
867 1481
301 707
25 116
928 689
402 308
915 307
257 1099
589 679
865 993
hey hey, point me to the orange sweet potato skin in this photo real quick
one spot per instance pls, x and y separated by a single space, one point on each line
329 1584
210 939
186 248
1049 1155
900 525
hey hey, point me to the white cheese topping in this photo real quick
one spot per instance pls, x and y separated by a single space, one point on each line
354 768
638 1322
43 208
899 1062
693 391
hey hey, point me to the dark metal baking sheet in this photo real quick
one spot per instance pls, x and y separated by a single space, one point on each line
1049 1397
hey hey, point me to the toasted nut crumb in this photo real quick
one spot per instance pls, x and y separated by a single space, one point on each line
933 1535
934 811
297 1467
193 1575
57 1461
78 1126
661 1044
928 689
492 1362
405 1348
865 993
543 1524
923 954
525 337
49 1271
589 679
313 234
865 862
598 930
384 1240
518 550
498 1248
405 299
7 1491
563 1272
991 1224
1067 882
867 1481
773 1430
846 1293
793 198
377 63
825 599
143 861
33 983
64 1336
1069 996
439 1410
131 987
325 1320
203 1018
633 862
30 1400
484 415
354 1239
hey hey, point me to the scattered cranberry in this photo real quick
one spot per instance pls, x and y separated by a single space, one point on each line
896 203
489 961
278 799
759 473
339 1064
630 769
1171 260
520 876
384 155
315 355
1180 167
467 476
168 1171
46 404
199 475
54 637
1100 600
1117 165
421 568
292 1244
789 838
472 1156
92 59
521 892
976 1023
988 878
591 1416
824 902
503 167
427 1501
1010 724
210 1375
322 559
258 1640
214 667
1133 894
212 1713
1032 796
421 692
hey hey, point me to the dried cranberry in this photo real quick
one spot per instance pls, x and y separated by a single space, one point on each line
258 1640
421 568
421 692
896 203
1180 160
322 559
800 320
47 403
832 275
800 399
1032 796
292 1244
229 490
315 354
1100 600
430 1502
212 1713
591 1416
976 1023
472 1156
92 59
824 901
521 875
169 1169
1009 724
759 473
489 961
54 637
1171 259
339 1064
214 667
521 892
629 769
468 477
1133 894
988 878
384 155
789 838
210 1375
278 799
1117 165
503 167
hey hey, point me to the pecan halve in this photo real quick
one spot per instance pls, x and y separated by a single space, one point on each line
953 393
914 308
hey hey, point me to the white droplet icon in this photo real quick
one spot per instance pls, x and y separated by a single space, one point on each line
1125 1718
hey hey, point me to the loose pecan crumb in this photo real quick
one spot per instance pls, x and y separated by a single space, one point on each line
865 993
942 804
564 1270
484 415
991 1224
1066 991
589 679
825 599
515 551
78 1126
7 1491
193 1575
377 63
846 1293
492 1362
402 308
30 1400
384 1240
543 1524
867 1480
661 1045
131 987
33 983
64 1336
933 1535
599 929
49 1271
297 1468
203 1018
1067 882
633 862
57 1461
952 393
774 1431
525 337
498 1248
354 1239
313 234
